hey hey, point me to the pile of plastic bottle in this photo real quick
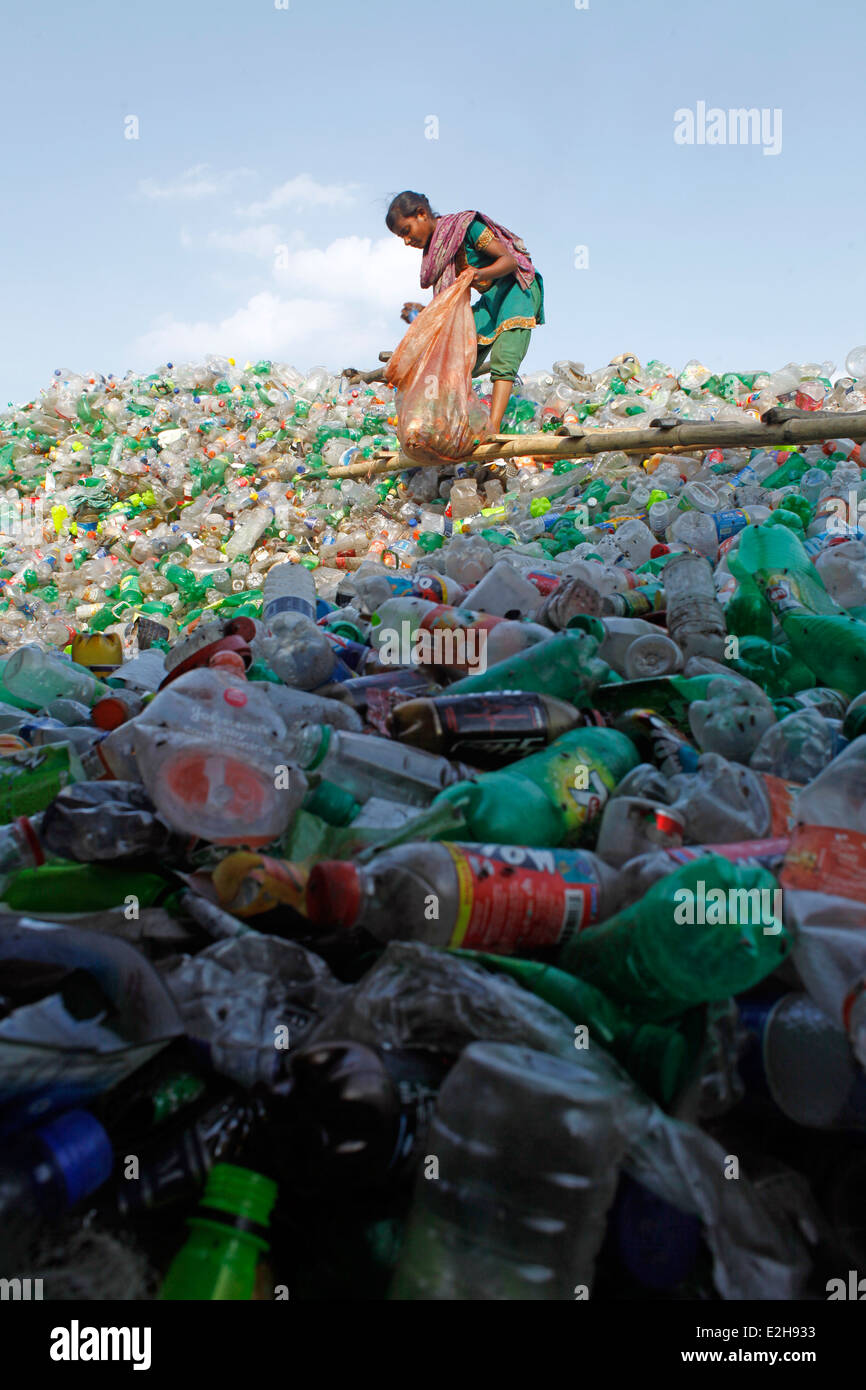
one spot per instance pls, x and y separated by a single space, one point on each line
451 873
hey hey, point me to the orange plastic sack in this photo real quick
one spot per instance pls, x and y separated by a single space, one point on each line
439 417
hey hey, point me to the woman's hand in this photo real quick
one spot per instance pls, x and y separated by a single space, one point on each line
407 310
502 264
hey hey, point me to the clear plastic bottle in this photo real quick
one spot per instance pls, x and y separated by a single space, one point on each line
211 752
490 897
366 766
529 1148
695 619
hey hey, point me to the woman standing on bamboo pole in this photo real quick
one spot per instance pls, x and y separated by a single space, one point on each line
512 291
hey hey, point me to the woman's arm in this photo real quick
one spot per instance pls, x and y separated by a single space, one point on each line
504 264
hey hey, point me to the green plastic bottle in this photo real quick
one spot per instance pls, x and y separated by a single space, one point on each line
829 642
775 669
64 886
747 613
553 797
6 695
228 1234
659 1058
791 471
566 666
661 956
669 696
189 588
31 779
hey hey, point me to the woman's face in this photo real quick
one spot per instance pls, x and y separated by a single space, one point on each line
416 230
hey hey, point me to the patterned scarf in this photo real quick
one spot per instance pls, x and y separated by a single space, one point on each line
438 265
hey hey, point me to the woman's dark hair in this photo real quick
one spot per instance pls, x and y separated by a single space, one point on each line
406 205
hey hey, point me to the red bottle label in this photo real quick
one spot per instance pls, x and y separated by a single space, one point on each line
783 798
826 859
514 896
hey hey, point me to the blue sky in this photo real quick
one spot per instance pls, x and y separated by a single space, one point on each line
247 217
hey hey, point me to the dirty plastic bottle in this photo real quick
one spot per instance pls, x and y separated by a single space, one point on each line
620 635
355 1116
732 719
725 801
657 741
670 696
567 666
369 766
574 597
658 1058
798 747
708 930
290 641
550 798
528 1150
653 654
505 592
633 825
489 897
828 641
38 677
695 619
92 821
485 730
175 1160
210 749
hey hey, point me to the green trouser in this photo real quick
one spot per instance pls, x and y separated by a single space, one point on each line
506 352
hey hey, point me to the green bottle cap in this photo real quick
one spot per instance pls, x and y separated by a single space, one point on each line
239 1193
332 803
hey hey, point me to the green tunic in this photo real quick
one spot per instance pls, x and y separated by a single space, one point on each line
505 305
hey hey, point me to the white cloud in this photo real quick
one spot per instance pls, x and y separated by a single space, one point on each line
198 182
354 268
303 191
262 240
339 305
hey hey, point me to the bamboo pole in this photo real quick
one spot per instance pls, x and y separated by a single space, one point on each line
777 427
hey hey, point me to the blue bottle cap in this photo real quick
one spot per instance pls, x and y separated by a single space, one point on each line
82 1150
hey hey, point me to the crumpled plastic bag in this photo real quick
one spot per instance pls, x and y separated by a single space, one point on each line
246 1000
439 417
418 997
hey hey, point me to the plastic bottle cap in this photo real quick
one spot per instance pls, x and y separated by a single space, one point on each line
229 661
332 803
334 893
240 1192
82 1150
110 712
